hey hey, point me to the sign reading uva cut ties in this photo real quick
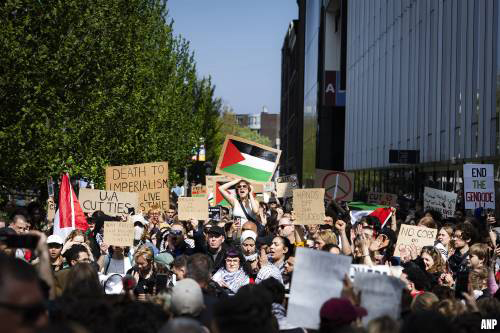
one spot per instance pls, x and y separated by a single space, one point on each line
149 180
479 186
247 159
110 202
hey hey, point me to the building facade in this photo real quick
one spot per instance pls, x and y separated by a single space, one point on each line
421 75
313 89
265 123
381 75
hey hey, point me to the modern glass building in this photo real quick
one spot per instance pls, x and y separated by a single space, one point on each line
421 75
408 75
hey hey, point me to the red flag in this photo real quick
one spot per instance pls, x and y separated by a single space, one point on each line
70 215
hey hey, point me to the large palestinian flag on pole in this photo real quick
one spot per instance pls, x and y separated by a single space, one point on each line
247 159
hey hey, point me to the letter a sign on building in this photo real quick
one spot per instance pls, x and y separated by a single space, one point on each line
479 186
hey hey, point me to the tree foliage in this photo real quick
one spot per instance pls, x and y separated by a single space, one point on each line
85 84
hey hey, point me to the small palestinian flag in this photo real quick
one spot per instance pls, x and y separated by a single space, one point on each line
358 210
246 159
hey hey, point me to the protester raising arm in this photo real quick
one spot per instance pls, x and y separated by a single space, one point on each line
394 224
43 267
244 203
225 193
346 246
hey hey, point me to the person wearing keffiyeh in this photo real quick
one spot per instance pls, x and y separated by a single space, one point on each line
234 274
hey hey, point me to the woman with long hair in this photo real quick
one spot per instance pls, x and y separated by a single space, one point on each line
244 204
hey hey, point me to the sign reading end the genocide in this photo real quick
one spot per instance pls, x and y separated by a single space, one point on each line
150 180
110 202
309 206
119 233
479 186
193 208
412 239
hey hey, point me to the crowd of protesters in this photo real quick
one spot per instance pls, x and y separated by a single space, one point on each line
234 274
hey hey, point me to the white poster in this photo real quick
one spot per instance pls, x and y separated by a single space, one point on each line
441 201
380 295
317 277
479 186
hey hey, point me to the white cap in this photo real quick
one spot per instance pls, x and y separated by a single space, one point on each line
55 239
248 234
139 218
187 298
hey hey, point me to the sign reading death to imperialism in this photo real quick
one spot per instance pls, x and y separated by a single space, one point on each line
150 180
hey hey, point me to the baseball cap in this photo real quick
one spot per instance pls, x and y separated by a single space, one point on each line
216 230
55 239
187 298
164 259
248 234
341 311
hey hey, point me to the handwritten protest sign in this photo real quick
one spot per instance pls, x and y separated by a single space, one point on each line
313 269
110 202
413 238
51 209
381 295
199 191
285 190
150 180
385 199
441 201
309 206
193 208
479 186
119 233
338 185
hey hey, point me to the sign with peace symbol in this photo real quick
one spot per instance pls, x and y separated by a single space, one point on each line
338 185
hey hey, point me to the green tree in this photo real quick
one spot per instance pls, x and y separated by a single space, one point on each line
85 84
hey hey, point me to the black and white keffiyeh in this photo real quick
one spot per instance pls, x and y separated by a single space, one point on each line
234 280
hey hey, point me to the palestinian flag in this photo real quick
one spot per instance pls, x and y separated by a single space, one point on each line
247 160
358 210
219 199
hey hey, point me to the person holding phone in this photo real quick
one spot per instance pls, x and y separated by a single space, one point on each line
244 204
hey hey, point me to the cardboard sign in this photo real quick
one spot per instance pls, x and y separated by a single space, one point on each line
317 277
381 295
192 208
51 209
119 233
385 199
246 159
285 190
150 180
338 185
413 238
110 202
479 186
309 206
441 201
199 191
